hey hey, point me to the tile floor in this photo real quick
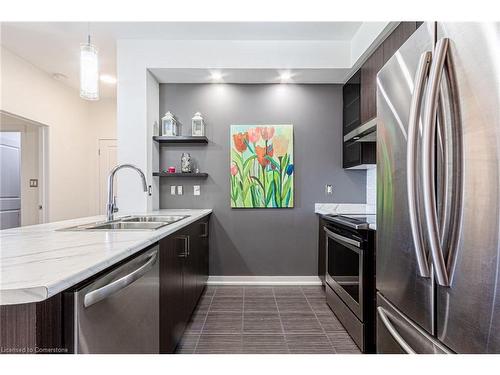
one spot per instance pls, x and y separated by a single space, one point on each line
265 320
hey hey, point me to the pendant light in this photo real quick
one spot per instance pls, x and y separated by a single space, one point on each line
89 70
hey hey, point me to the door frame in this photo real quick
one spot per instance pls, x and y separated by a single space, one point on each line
43 158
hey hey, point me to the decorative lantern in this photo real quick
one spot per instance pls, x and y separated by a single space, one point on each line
198 125
169 125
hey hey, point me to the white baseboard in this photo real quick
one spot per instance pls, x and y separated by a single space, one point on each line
263 280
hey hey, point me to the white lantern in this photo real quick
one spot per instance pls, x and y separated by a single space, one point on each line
198 125
169 125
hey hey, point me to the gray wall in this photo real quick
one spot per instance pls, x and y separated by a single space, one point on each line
261 241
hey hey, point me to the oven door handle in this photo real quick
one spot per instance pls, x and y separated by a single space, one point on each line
340 238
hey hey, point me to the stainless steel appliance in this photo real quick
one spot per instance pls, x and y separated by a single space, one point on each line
10 180
438 175
118 312
349 276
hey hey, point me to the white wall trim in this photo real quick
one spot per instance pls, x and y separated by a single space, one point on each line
263 280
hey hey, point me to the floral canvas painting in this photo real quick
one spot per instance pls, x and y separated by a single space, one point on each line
262 166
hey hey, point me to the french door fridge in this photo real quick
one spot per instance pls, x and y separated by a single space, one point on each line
438 192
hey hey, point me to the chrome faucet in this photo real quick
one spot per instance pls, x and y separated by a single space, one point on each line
111 205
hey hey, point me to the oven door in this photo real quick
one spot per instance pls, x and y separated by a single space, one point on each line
344 268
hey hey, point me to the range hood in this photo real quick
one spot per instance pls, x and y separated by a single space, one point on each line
364 133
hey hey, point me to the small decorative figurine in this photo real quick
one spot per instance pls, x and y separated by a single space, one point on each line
186 162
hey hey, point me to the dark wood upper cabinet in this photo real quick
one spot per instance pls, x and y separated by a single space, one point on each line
397 38
351 99
360 96
375 62
369 72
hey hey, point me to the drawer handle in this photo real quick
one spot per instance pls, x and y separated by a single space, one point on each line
394 333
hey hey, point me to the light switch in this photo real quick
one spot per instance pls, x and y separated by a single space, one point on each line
196 190
172 189
328 189
33 182
179 190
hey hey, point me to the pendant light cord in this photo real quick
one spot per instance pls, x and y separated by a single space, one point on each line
88 33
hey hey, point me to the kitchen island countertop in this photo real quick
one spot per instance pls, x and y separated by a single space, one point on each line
38 261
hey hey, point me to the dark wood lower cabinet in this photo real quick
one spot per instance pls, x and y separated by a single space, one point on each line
183 275
171 292
32 328
321 251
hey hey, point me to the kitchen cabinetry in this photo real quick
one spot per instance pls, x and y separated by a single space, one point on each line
351 99
397 38
375 62
358 155
321 251
32 328
183 275
357 112
368 78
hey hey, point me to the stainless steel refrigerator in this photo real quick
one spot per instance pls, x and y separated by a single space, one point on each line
438 192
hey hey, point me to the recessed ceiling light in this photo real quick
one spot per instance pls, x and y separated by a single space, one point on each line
59 76
216 76
108 79
285 77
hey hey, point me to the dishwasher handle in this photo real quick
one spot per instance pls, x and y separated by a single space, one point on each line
97 295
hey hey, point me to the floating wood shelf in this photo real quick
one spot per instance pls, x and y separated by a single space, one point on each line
198 175
180 139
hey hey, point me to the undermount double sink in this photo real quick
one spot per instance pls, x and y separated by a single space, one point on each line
137 222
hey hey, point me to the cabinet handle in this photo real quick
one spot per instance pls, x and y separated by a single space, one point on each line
185 250
205 230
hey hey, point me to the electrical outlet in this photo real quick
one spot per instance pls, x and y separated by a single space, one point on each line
172 189
179 190
328 189
196 190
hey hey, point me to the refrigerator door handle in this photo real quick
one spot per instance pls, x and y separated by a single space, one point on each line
451 220
411 153
394 333
428 160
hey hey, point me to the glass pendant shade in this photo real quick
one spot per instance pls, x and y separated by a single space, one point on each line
89 72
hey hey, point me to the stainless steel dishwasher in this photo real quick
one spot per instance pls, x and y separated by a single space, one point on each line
118 312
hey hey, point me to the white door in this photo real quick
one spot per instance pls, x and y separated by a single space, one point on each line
107 160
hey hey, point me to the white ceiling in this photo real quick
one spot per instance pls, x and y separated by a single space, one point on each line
54 46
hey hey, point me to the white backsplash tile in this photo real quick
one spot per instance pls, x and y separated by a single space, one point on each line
371 188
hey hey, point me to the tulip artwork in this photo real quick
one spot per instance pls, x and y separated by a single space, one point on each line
262 166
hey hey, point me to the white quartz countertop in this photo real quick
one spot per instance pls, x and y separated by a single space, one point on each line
37 262
348 209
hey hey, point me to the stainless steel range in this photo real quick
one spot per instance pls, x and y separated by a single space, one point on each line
349 276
